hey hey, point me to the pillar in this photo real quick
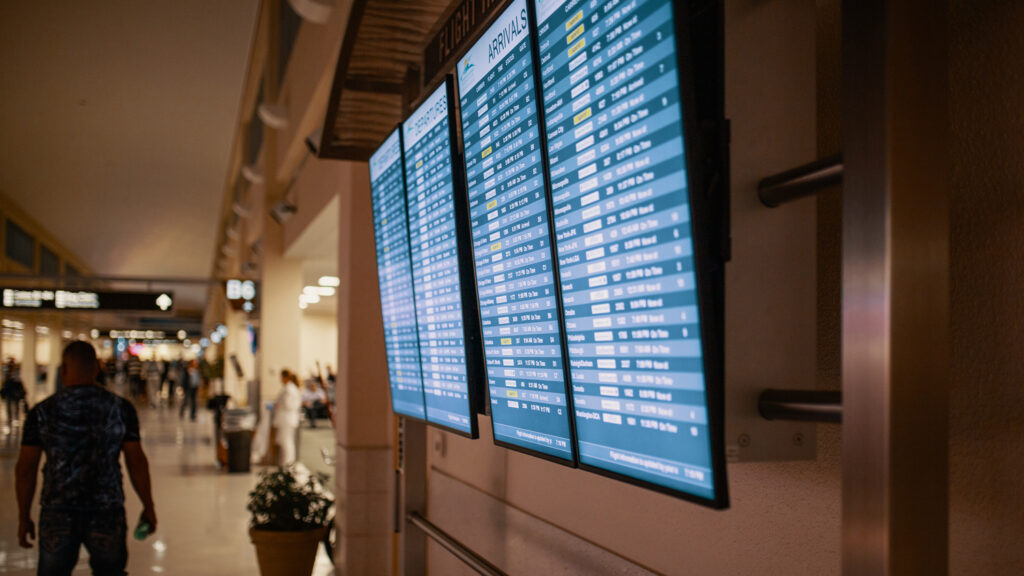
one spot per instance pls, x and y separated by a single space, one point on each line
236 344
363 420
56 345
28 362
280 316
896 289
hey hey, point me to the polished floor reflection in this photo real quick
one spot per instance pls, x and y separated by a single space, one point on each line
203 521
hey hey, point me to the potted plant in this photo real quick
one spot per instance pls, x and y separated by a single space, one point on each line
290 509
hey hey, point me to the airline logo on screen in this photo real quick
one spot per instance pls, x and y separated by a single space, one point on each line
385 156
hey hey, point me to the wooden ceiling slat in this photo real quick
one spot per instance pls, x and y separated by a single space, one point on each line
385 39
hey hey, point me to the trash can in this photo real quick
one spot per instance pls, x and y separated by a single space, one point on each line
239 426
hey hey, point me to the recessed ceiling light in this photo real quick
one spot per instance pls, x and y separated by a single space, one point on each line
332 281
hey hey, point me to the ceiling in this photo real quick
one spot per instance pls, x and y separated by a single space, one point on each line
116 125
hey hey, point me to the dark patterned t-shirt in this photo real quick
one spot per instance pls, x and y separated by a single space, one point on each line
81 430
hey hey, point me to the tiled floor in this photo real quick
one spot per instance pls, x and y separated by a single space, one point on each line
203 520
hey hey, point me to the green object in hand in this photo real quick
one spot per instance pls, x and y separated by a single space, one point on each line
143 530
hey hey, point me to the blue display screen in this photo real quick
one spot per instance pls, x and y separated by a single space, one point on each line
394 273
613 119
512 248
435 263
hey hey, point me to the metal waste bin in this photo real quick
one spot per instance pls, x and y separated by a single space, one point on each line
239 426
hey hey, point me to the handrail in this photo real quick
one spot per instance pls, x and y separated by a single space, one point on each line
475 561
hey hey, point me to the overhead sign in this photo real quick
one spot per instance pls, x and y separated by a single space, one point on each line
85 300
455 34
240 289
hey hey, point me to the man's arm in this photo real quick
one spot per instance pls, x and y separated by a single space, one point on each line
25 473
138 471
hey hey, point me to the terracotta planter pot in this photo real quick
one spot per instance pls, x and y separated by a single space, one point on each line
286 553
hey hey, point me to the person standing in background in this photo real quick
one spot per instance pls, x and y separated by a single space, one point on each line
13 393
153 374
287 417
190 385
82 429
134 369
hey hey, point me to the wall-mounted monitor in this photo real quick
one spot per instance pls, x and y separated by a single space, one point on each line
637 283
446 303
512 247
394 274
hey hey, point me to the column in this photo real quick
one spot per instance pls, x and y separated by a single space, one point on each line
56 345
280 316
237 344
363 420
28 362
896 289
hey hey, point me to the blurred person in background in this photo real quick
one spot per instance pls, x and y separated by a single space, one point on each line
314 402
133 366
190 385
287 417
154 374
13 393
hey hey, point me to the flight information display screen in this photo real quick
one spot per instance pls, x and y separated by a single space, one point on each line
512 248
430 192
394 273
613 119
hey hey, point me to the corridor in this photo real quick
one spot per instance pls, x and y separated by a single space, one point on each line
203 526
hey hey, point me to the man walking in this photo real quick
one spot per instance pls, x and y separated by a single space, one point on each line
83 429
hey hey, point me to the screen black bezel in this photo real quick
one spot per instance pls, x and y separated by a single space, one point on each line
706 221
472 344
573 459
408 238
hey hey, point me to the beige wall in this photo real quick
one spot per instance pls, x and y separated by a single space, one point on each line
318 337
784 517
987 307
531 516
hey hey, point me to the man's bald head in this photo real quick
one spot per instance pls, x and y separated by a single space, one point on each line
79 365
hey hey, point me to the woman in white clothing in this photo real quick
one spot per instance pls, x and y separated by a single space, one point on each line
287 416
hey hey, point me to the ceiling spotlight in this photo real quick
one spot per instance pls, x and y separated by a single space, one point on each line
331 281
241 210
283 211
273 115
315 11
252 173
313 141
325 291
